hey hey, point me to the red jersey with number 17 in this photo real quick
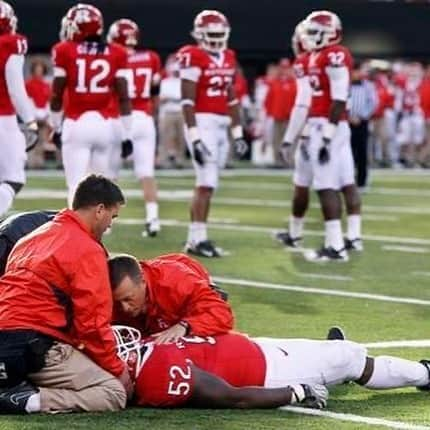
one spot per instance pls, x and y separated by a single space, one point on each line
166 378
10 44
215 74
90 72
331 56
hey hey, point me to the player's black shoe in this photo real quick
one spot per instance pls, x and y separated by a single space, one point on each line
285 238
426 364
353 244
327 254
13 400
335 333
205 248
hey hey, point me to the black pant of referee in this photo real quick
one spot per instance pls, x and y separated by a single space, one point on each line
359 138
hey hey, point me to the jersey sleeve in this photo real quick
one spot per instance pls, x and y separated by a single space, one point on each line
156 69
59 56
166 380
17 44
190 64
338 63
121 61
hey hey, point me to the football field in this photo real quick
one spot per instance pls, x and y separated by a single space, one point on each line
380 297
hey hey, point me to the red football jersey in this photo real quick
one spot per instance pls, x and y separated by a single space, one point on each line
39 91
10 44
300 65
90 74
166 378
411 97
216 75
331 56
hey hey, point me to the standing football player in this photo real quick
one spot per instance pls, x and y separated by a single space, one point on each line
143 79
13 100
91 71
210 107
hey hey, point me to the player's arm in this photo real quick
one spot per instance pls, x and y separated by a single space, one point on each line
125 109
240 145
211 391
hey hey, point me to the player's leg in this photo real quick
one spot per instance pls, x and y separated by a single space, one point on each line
144 139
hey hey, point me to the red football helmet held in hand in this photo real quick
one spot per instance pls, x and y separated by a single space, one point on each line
83 21
323 28
211 30
8 19
125 32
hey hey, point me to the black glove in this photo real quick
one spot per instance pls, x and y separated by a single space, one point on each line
240 146
200 152
56 139
324 154
285 151
126 148
31 133
304 151
310 396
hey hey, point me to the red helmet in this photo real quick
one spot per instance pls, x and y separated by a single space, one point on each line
62 35
211 30
84 20
124 31
323 28
8 19
298 42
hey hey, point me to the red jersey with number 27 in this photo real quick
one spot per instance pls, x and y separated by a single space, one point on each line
90 74
331 56
216 75
166 378
10 44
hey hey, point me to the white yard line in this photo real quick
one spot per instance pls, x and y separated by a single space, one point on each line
355 418
321 291
322 276
410 249
418 273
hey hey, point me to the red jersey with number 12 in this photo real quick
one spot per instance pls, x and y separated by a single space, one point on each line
216 75
90 74
331 56
166 378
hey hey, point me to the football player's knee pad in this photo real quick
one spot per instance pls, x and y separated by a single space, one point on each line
16 186
351 359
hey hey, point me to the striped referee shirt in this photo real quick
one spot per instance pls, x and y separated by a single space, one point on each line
363 100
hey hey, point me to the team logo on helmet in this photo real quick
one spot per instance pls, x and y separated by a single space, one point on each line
211 30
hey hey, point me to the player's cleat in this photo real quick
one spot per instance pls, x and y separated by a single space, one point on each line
327 254
205 248
426 364
335 333
14 400
354 244
285 238
152 227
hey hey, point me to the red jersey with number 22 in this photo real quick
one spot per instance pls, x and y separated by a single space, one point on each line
331 56
90 74
166 378
217 73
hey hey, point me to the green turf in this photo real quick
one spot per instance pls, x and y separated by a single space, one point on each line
256 256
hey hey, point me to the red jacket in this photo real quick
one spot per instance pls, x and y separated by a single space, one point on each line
178 289
280 98
57 283
39 91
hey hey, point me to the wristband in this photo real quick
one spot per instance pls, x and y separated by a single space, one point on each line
187 102
186 326
193 134
233 102
329 130
305 131
237 132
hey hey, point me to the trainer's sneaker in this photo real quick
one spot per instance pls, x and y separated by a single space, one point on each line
285 238
354 244
205 248
152 227
327 254
14 400
335 333
426 364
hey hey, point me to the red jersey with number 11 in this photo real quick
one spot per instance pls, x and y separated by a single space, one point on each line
215 74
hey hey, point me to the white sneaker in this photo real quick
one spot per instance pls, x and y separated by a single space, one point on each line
152 227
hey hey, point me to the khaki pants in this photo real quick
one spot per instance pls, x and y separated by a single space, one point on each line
70 381
171 131
279 128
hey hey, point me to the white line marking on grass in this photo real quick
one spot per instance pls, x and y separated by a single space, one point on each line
423 343
421 273
410 249
322 291
354 418
322 276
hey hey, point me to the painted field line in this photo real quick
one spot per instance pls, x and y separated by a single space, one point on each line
418 273
355 418
321 291
322 276
422 343
271 231
411 249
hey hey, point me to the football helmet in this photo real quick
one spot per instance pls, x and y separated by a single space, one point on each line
129 347
298 41
211 30
84 20
62 35
125 32
322 28
8 19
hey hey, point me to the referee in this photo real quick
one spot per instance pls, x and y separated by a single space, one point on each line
364 100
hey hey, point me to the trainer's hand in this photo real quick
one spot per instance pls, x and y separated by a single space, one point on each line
31 133
240 146
127 382
200 152
126 148
171 335
310 396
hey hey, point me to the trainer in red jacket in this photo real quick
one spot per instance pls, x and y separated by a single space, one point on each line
167 297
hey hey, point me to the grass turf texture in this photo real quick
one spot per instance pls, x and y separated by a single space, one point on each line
398 205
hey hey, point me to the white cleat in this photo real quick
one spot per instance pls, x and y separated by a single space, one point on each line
152 227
